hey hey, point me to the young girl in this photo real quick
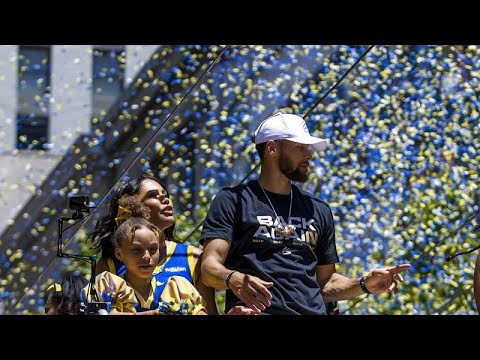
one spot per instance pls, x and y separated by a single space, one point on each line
140 245
181 260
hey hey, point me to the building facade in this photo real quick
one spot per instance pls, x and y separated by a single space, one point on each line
49 95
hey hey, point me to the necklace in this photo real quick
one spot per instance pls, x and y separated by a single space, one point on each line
286 230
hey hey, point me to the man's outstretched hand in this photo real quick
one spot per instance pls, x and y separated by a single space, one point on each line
379 281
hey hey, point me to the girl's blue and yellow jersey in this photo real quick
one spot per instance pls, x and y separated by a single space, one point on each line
174 295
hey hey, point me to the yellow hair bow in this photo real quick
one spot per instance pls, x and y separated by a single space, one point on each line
123 214
55 286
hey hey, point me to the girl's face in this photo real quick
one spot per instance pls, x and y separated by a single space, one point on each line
153 195
140 253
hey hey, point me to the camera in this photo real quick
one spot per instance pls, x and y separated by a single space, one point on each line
79 203
94 308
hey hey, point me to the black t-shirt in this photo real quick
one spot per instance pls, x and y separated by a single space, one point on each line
243 216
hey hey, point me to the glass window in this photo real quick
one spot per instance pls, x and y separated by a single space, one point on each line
33 97
107 81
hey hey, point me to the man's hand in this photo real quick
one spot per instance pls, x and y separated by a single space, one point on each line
252 290
379 281
242 310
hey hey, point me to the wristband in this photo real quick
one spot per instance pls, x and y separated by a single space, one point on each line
227 278
362 285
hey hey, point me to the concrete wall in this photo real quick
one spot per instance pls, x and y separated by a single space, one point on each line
137 55
20 174
8 97
71 103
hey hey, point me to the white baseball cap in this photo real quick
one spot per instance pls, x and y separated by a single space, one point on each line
288 127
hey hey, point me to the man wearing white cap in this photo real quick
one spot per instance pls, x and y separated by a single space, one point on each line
272 245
